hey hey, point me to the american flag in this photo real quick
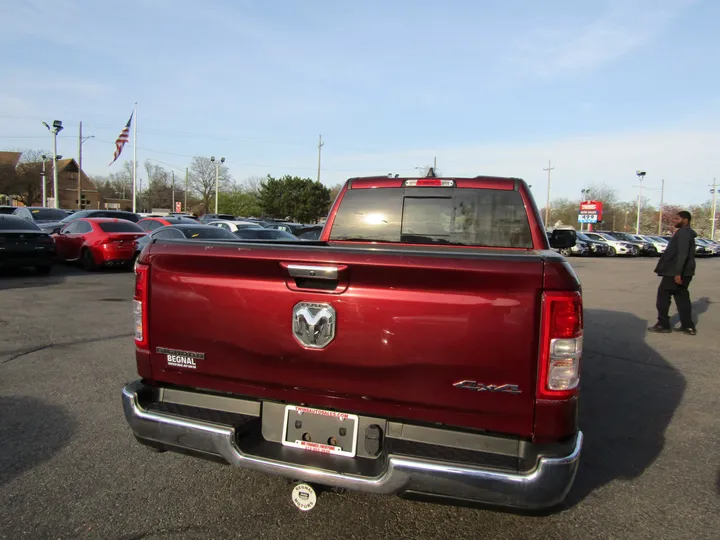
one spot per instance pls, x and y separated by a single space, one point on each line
122 139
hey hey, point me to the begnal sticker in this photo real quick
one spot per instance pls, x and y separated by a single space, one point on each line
176 360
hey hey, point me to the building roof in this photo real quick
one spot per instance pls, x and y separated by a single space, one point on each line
10 158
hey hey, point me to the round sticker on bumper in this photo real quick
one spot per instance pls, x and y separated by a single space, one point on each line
304 497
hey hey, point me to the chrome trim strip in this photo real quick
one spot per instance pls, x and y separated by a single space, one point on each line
314 272
543 487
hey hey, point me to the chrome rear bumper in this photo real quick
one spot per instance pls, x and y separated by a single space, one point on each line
543 487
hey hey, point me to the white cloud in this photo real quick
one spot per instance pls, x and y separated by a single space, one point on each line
573 45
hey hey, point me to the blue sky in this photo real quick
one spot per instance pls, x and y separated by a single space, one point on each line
600 89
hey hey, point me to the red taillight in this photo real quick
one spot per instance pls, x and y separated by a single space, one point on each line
140 304
561 342
429 182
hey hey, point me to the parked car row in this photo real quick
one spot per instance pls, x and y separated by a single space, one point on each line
612 244
38 237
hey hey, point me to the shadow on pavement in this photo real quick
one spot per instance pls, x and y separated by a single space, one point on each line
699 307
25 278
628 397
31 432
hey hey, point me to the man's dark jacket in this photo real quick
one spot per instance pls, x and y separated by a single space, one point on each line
679 256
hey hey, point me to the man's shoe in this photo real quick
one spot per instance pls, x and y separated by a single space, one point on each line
660 329
687 331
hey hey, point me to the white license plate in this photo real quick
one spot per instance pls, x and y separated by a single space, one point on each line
316 430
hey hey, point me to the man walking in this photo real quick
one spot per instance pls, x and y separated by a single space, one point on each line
676 268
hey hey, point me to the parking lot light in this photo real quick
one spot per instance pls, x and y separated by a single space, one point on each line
56 128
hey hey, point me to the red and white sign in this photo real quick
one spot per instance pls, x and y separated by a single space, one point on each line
592 208
178 206
352 427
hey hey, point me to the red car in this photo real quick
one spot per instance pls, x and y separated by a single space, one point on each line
98 242
151 223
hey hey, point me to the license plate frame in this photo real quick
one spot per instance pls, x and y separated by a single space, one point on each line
352 421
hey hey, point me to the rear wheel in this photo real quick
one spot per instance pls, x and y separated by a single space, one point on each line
566 252
87 260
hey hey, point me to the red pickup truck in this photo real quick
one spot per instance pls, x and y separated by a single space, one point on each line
428 345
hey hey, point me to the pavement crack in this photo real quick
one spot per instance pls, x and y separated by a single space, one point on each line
14 355
640 362
24 353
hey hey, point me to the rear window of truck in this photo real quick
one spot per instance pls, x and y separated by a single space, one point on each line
451 216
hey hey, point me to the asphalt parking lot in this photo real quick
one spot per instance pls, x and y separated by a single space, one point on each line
70 468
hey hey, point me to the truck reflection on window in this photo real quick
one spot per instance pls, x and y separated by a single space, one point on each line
473 217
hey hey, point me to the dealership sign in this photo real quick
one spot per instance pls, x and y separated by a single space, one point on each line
590 212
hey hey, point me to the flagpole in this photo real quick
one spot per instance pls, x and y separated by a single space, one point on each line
134 205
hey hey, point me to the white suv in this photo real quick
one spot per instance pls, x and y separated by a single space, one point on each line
617 247
658 243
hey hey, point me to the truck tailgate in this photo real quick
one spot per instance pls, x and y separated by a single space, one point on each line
410 325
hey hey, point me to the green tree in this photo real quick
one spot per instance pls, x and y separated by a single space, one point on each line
301 199
239 201
334 191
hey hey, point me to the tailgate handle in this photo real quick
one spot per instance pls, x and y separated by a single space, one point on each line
328 279
313 272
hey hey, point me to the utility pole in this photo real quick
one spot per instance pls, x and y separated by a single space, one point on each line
134 183
81 141
44 183
662 200
547 205
187 177
435 163
172 208
79 194
714 194
320 145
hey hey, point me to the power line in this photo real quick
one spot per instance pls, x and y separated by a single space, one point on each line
262 165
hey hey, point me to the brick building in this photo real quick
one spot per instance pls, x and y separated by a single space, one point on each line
68 174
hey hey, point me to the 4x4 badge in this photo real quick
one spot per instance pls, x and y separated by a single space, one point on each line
482 387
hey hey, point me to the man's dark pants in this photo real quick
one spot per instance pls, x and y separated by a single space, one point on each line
669 289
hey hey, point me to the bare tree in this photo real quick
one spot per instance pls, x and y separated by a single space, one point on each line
117 185
158 188
202 179
253 184
425 171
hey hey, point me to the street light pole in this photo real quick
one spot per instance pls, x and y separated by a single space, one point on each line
217 179
56 128
641 177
